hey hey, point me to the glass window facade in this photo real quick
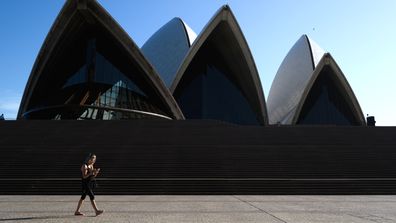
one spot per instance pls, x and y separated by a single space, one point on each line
327 103
94 79
208 90
78 78
106 73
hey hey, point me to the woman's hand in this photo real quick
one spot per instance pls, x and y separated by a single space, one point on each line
96 171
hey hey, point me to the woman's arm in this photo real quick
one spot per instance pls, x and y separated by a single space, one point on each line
84 171
96 171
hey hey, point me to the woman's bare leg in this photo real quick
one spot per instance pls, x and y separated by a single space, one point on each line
80 202
97 211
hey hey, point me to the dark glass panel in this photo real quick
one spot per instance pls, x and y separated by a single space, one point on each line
68 59
327 103
78 78
106 73
91 68
116 72
208 90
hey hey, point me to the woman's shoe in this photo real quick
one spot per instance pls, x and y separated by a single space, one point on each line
98 212
77 213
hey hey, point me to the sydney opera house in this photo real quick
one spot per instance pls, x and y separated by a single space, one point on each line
186 113
89 68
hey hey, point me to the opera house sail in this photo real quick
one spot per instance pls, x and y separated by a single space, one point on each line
167 47
310 88
89 68
218 78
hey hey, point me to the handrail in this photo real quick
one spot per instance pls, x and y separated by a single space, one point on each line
98 107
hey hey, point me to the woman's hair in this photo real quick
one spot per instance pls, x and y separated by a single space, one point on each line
90 155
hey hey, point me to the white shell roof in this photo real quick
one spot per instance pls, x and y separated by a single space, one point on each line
317 52
167 47
291 80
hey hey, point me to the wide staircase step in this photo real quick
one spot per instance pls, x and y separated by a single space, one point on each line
196 157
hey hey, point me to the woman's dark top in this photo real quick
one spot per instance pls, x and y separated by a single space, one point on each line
88 185
90 181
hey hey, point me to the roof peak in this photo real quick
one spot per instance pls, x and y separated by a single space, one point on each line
316 51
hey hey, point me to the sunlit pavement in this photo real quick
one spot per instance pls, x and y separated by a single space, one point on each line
201 209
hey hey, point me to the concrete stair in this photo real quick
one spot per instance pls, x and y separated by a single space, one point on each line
196 157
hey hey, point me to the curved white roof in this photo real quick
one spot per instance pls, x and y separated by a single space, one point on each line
167 47
291 79
295 78
316 51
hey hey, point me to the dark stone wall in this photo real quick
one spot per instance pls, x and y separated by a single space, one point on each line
196 157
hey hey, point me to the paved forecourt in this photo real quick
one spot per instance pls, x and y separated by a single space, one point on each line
226 208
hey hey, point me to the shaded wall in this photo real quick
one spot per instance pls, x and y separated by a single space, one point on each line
196 157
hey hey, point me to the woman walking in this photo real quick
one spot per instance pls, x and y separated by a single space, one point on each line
88 183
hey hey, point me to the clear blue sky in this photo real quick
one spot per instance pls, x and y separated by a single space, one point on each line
360 35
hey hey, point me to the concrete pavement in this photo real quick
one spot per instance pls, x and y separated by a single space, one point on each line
202 209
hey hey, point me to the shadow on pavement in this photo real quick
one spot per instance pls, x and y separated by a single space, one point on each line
36 218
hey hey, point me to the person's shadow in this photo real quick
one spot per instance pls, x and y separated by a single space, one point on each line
37 218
